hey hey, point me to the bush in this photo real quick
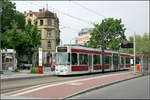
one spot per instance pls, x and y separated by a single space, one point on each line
34 70
16 70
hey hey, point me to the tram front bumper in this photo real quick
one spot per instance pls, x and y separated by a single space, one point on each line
62 71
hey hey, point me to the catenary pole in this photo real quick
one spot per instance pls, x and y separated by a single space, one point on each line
134 54
1 70
103 46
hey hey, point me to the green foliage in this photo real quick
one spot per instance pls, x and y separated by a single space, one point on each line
9 14
142 44
32 36
114 33
15 33
12 37
16 70
34 70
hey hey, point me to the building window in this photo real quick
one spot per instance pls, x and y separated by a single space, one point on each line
39 31
49 44
49 22
41 22
48 33
29 21
30 15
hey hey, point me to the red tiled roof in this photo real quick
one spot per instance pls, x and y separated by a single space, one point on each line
46 13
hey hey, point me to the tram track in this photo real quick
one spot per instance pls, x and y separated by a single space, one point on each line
10 86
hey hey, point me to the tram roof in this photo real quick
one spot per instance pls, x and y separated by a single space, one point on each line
77 46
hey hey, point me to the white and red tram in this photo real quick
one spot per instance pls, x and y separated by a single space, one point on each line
79 60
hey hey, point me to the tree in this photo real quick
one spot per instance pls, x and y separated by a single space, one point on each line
114 33
14 38
15 33
33 38
142 44
8 14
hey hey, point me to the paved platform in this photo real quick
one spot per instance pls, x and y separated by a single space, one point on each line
69 88
23 75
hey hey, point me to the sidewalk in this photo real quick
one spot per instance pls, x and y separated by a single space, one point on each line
22 75
70 88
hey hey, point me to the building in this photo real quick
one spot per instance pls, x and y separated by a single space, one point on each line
83 36
48 24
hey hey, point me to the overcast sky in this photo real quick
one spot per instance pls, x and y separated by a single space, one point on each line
134 15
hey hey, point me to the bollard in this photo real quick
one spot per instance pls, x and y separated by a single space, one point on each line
40 69
137 67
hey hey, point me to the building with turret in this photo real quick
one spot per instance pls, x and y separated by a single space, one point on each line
48 25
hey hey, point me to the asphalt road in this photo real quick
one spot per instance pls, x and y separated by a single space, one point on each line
137 88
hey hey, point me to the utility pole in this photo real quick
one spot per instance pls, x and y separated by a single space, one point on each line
1 70
103 46
134 54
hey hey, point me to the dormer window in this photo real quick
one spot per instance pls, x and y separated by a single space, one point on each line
30 15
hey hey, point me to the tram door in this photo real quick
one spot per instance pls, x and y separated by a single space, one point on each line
90 62
115 61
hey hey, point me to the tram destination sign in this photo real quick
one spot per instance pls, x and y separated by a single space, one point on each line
127 44
62 49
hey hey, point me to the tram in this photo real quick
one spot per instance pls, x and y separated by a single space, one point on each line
72 59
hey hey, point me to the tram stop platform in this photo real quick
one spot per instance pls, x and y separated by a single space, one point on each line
24 74
68 89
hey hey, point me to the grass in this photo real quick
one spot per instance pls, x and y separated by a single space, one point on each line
34 70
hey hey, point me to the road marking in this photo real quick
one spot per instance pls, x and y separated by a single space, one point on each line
74 83
28 91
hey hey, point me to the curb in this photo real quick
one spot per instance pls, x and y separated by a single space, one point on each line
28 77
98 87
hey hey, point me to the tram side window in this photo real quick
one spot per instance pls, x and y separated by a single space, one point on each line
96 59
74 59
106 59
83 59
68 62
110 60
122 60
127 60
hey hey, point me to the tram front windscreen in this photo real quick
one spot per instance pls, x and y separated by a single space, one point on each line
62 58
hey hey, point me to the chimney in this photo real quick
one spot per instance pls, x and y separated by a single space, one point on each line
30 11
55 15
